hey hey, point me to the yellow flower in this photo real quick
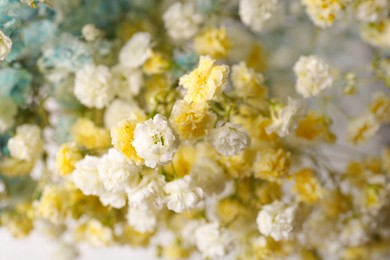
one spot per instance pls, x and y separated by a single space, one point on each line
183 160
314 126
272 165
267 192
156 64
214 42
129 236
90 136
307 186
191 120
247 82
204 82
122 138
19 222
15 167
95 233
66 158
380 107
362 128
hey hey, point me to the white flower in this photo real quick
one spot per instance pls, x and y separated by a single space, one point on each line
313 76
354 232
209 176
5 45
371 11
27 144
151 186
8 111
281 117
113 199
181 21
86 176
213 241
254 13
276 220
119 110
128 82
182 194
360 129
116 173
154 141
93 86
90 32
188 231
136 51
228 140
97 235
143 219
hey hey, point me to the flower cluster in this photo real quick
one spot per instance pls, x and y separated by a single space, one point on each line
248 129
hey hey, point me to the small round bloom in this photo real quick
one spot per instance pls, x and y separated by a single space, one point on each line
90 32
90 136
377 34
116 200
228 140
182 194
255 13
136 51
95 233
93 86
313 76
119 110
204 82
247 82
8 111
66 158
154 141
209 176
5 45
182 21
86 176
276 220
362 128
214 42
27 144
213 241
127 82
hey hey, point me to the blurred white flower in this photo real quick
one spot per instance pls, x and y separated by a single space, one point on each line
181 21
5 45
136 51
182 194
27 144
313 76
143 219
254 13
281 117
93 86
209 176
127 82
90 32
276 220
154 141
86 176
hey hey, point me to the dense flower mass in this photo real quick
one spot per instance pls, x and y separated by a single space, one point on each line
205 129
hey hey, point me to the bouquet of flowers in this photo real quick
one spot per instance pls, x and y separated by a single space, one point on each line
235 129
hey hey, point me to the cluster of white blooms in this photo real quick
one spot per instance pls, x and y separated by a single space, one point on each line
136 51
182 194
8 110
182 21
276 220
281 117
372 10
108 177
228 140
213 241
154 141
93 86
254 13
127 82
313 76
27 144
5 45
119 110
209 176
90 32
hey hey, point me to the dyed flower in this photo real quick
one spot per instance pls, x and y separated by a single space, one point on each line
67 157
154 141
324 12
272 165
313 76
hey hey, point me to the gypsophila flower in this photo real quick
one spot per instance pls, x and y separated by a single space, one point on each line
8 110
143 219
136 51
360 129
182 194
209 176
247 82
276 220
372 10
154 141
27 144
313 76
5 45
113 199
128 82
281 117
90 32
86 176
324 12
255 13
120 110
228 140
93 86
213 241
182 21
